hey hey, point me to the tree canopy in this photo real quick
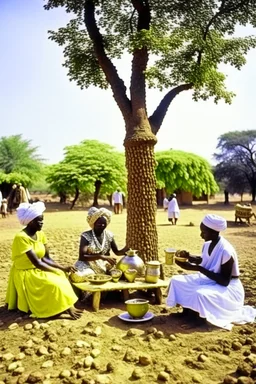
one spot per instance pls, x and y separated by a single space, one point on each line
236 157
91 167
174 45
178 170
19 161
188 41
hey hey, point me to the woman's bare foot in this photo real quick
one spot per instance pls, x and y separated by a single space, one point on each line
75 313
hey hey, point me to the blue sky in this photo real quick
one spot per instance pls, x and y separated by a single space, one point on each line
38 100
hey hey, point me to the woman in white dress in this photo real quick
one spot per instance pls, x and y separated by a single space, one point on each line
215 292
173 209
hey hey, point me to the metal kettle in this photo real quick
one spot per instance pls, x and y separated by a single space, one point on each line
131 261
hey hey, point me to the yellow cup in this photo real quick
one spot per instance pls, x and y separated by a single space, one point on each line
169 256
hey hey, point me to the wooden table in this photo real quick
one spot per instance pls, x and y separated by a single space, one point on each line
121 285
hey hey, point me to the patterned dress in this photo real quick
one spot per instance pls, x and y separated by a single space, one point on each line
95 246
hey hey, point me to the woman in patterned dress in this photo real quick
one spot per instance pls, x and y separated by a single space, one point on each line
96 244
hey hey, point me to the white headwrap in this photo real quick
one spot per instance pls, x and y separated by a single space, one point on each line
94 214
27 212
215 222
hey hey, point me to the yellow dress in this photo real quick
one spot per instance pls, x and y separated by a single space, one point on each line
43 293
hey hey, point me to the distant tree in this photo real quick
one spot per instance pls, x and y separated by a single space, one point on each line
19 162
236 159
66 179
175 45
178 170
41 185
18 156
90 166
231 179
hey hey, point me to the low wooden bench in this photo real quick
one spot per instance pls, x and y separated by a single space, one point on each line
124 286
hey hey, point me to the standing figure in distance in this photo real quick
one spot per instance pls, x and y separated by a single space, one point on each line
117 201
165 203
4 211
17 196
173 209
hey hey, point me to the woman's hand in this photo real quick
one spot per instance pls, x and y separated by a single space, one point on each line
110 260
186 265
182 253
195 259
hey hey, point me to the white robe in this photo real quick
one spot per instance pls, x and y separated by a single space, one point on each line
173 209
165 203
219 305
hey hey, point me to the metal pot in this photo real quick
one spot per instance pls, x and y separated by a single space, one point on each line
152 271
131 261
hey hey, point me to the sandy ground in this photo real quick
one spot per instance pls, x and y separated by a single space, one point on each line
101 348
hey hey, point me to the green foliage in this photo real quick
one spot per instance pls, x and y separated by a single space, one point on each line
14 178
178 170
19 160
187 41
86 163
236 158
231 177
41 186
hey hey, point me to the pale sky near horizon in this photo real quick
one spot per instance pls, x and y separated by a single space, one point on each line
38 100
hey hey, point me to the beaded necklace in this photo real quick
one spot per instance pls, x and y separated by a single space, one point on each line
99 245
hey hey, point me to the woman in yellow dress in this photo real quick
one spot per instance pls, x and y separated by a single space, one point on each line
37 284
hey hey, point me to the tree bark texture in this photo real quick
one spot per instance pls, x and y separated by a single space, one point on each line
141 203
226 194
75 198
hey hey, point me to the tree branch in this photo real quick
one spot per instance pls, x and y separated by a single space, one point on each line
156 119
143 9
116 83
223 9
139 63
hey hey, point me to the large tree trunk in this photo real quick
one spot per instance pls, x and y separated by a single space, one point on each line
97 185
141 202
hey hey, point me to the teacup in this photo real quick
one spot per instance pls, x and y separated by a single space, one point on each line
116 275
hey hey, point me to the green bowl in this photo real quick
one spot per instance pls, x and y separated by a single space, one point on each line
137 308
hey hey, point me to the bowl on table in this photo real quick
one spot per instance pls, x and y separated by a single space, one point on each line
116 275
98 278
137 308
